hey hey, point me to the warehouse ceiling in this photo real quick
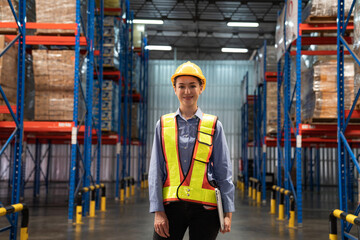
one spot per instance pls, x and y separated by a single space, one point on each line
197 29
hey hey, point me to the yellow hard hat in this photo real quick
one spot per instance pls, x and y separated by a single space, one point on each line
189 69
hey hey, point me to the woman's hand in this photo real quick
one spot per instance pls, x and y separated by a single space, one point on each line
161 224
227 223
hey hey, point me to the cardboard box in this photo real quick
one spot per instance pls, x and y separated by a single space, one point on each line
63 11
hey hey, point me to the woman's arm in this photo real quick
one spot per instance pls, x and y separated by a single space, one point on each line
156 173
222 173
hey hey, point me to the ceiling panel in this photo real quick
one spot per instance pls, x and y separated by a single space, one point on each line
197 29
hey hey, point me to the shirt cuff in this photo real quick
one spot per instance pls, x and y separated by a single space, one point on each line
156 207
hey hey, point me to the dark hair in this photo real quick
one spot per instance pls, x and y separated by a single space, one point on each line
200 82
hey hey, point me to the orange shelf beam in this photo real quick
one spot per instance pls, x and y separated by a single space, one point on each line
316 53
42 127
50 40
322 27
36 25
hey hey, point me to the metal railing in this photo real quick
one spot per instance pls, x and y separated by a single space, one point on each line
19 207
283 192
79 200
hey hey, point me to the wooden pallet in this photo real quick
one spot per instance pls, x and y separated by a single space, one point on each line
8 31
55 32
323 19
328 121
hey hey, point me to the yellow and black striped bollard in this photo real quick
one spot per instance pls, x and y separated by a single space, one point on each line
128 184
281 205
273 201
132 186
122 190
258 196
92 201
103 198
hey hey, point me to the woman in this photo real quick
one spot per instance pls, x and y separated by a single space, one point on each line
189 158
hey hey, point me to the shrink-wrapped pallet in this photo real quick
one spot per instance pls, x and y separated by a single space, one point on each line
6 14
323 10
54 84
307 93
325 88
8 80
271 108
8 75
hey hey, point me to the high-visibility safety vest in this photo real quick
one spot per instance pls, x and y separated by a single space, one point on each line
194 186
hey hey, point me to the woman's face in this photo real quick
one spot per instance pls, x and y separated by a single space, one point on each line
188 89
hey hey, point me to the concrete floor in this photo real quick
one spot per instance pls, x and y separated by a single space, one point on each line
131 220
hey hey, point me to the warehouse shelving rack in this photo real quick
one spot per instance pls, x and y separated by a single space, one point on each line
260 154
143 107
245 133
100 30
304 135
66 132
63 132
344 148
123 152
17 134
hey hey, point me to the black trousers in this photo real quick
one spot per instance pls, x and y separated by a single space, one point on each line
203 224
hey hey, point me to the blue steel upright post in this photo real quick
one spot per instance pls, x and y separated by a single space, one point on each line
264 121
129 93
118 143
255 135
141 114
125 111
258 132
146 98
246 160
279 132
75 118
287 131
341 112
89 102
343 145
298 121
16 179
100 80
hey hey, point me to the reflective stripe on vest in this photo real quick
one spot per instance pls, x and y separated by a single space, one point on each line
195 186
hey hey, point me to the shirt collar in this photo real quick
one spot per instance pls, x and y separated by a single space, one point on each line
198 113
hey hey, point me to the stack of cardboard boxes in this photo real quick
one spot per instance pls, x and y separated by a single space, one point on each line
63 11
109 108
54 84
111 41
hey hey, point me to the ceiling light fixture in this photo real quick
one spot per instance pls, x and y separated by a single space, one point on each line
147 21
158 48
243 24
234 50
